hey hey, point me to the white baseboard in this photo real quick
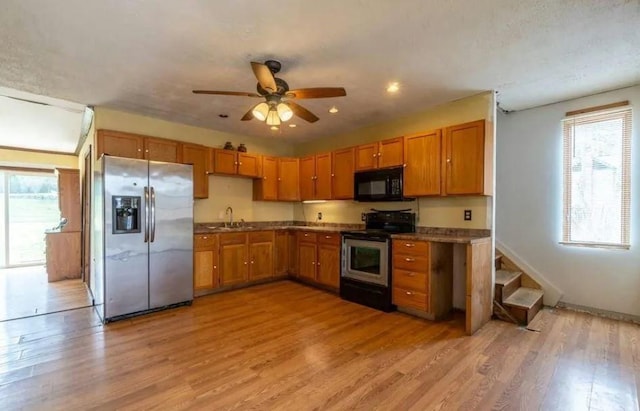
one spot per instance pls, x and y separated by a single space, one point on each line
601 313
552 294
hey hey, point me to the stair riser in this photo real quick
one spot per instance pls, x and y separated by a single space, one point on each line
525 316
509 289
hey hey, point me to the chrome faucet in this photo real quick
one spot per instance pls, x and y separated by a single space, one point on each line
229 212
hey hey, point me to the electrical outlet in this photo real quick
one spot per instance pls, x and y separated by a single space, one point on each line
467 215
363 217
319 216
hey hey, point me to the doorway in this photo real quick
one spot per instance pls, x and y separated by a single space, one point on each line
28 207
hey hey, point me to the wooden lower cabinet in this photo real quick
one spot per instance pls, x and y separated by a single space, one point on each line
261 255
319 258
423 277
292 243
205 262
234 259
281 253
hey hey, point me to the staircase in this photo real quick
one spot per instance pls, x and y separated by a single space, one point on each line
517 297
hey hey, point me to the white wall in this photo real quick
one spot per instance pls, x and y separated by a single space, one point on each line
529 208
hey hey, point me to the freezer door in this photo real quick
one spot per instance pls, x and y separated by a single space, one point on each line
126 260
171 234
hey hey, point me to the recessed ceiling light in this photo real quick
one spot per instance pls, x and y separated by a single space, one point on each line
393 88
274 128
292 125
223 115
333 110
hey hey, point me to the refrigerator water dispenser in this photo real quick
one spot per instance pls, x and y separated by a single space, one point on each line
126 214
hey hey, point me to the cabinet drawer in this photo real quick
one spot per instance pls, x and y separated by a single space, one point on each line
233 238
307 237
329 238
411 280
204 241
411 247
261 236
408 298
415 263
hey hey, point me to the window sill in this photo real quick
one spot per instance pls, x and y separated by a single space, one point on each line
597 245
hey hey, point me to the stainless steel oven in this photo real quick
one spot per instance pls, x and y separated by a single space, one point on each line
366 260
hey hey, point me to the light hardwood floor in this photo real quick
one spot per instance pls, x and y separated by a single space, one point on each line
287 346
25 292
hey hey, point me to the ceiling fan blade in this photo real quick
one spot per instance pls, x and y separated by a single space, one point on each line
302 112
264 76
317 92
248 115
227 93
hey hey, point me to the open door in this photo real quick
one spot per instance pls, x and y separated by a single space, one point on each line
479 304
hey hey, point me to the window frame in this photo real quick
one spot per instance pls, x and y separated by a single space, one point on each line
621 111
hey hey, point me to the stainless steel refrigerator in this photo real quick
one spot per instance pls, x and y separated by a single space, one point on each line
143 236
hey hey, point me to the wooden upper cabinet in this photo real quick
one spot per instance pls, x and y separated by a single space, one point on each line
224 161
69 198
382 154
115 143
366 157
463 152
323 188
197 156
390 153
266 188
288 179
249 165
159 149
342 173
307 178
422 155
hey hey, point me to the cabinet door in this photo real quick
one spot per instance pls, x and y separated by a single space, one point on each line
464 158
248 165
390 153
367 157
342 174
292 243
288 179
323 177
69 198
329 265
261 260
158 149
281 253
422 156
197 156
225 162
307 261
266 188
203 269
115 143
307 178
234 264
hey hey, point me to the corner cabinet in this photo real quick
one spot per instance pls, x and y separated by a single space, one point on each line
266 187
464 160
197 156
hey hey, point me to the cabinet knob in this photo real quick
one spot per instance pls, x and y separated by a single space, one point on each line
139 149
313 262
215 266
146 151
264 178
318 264
379 154
409 293
333 175
205 237
240 163
410 260
404 165
409 244
279 179
374 154
235 162
306 235
411 274
252 261
448 160
327 237
245 263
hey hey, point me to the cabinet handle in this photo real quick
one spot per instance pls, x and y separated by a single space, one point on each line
409 293
410 259
409 244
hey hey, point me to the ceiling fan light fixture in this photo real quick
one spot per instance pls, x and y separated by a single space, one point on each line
272 118
284 112
261 111
333 110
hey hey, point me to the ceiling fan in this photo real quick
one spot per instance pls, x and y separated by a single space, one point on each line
278 105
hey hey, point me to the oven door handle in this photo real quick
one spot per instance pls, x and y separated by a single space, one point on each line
365 238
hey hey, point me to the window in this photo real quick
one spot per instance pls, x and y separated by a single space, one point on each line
597 167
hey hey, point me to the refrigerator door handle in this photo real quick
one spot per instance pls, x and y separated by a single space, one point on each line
146 214
153 215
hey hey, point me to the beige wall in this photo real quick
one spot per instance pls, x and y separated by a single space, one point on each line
223 191
20 158
433 211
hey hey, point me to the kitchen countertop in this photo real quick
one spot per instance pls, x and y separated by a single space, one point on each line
441 238
222 230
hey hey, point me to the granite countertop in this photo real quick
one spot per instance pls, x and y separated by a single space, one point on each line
441 238
203 229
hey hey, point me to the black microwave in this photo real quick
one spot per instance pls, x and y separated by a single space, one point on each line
379 185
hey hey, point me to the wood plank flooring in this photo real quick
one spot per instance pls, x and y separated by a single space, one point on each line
25 292
290 347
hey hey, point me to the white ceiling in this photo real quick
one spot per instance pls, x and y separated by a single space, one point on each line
147 56
50 124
